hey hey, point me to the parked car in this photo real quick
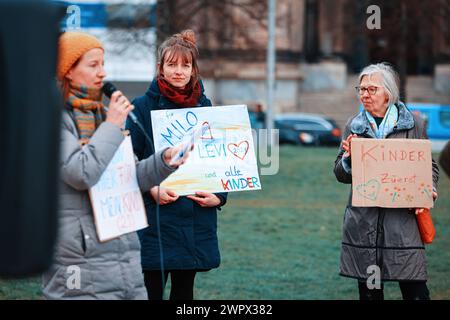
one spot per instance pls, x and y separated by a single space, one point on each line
437 118
307 129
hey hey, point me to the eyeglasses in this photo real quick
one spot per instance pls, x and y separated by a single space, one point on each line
371 90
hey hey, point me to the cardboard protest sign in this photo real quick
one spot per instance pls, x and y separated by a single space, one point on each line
392 173
223 159
116 198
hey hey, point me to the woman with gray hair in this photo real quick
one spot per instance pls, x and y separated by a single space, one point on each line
374 236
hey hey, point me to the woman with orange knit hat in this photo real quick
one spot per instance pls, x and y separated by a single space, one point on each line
84 268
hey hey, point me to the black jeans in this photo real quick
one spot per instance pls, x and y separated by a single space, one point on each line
411 290
182 284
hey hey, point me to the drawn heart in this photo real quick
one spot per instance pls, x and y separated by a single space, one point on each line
238 151
369 190
206 128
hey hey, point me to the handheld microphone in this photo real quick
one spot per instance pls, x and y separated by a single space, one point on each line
108 89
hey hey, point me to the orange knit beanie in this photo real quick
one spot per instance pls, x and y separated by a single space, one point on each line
72 46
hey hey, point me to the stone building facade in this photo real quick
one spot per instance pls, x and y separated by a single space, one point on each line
319 43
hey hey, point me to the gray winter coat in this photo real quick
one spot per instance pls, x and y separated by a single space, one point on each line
386 237
110 270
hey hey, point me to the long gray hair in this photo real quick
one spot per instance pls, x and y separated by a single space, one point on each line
389 76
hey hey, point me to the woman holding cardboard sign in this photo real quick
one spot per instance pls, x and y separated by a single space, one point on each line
188 225
84 268
382 244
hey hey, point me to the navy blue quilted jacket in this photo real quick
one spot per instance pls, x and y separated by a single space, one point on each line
188 231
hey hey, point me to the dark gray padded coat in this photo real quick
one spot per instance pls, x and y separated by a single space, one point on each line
386 237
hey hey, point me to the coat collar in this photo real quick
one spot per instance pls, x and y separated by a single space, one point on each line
360 124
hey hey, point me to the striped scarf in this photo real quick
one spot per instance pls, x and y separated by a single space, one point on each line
86 104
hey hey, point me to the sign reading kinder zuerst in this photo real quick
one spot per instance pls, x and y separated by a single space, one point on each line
392 173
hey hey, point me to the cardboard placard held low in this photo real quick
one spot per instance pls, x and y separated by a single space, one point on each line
116 198
391 173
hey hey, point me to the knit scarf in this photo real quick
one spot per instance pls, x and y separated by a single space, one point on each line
187 97
387 125
87 107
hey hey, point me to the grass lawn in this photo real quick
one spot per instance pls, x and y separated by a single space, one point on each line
284 242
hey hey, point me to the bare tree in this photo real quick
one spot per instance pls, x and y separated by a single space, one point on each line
410 31
220 25
129 25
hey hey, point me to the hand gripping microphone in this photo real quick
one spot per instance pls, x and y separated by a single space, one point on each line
108 89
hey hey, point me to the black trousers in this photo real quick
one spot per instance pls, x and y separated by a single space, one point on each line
182 284
411 290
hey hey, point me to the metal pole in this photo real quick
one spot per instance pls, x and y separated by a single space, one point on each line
402 62
270 68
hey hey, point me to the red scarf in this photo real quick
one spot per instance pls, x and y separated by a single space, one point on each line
187 97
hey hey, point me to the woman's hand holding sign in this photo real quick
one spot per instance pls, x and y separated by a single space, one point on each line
346 145
205 199
175 157
166 196
178 155
420 210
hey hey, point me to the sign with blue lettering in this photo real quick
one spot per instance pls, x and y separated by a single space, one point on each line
223 159
116 198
